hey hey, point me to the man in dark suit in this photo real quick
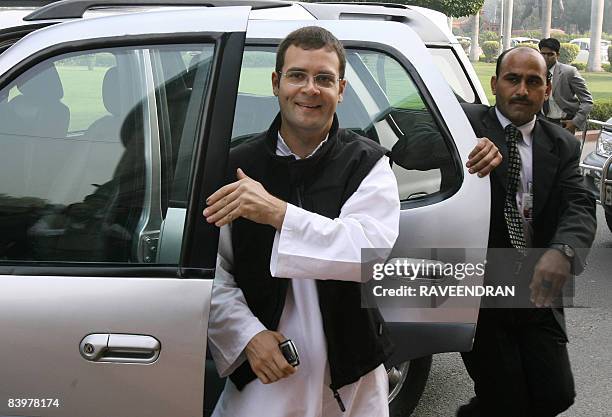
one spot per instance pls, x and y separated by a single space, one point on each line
570 102
519 362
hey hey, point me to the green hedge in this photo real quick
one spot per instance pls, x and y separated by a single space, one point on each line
580 66
568 52
529 45
488 35
602 110
491 50
610 54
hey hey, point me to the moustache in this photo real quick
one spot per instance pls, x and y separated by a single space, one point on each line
519 100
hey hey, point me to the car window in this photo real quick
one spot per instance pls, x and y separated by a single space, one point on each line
381 102
448 64
89 145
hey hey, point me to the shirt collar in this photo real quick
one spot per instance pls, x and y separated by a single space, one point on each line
283 149
526 129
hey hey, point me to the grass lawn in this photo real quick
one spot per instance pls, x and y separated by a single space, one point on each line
599 83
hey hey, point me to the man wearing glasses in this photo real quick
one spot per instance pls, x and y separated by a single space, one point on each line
309 197
570 102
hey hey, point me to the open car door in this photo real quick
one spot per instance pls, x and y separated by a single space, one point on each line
108 126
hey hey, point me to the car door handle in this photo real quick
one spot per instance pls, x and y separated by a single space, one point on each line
120 348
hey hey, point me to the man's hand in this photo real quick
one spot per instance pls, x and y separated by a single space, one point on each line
569 125
266 358
245 198
549 276
484 158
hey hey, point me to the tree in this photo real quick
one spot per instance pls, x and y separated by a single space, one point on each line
576 16
454 8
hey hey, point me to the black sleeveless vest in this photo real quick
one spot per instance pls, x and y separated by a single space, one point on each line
357 340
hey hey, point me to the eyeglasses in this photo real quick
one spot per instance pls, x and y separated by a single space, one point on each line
300 79
548 53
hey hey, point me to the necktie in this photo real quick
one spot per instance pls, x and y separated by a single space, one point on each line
511 214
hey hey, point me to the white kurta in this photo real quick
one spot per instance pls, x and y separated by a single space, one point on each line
307 248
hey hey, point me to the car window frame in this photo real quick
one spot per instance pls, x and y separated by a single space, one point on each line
463 69
428 100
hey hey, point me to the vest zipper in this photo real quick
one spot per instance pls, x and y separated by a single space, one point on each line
298 192
337 397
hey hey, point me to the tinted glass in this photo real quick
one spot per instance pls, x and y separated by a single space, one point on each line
89 147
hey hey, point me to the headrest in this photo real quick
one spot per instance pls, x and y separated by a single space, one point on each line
110 91
42 82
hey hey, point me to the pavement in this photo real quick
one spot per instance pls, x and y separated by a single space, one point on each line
591 135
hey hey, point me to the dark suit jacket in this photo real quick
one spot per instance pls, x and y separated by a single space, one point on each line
564 211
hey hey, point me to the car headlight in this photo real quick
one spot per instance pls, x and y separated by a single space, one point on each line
604 144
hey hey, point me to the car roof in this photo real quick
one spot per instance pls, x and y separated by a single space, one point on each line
524 38
430 25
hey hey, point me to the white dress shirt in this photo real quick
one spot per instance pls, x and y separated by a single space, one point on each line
308 247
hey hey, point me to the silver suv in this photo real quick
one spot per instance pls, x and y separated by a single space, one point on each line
114 128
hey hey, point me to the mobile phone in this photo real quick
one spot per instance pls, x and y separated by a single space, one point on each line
290 352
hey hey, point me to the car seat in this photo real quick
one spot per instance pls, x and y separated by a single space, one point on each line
38 111
108 127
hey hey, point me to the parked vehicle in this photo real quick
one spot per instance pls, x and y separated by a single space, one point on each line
596 168
521 39
115 127
585 46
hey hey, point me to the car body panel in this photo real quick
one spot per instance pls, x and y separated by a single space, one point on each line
593 167
44 318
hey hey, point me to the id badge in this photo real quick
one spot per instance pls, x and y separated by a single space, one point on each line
527 203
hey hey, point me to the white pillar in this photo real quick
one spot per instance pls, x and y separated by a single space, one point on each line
597 12
546 18
507 30
475 47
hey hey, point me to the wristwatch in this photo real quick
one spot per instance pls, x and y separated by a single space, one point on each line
566 250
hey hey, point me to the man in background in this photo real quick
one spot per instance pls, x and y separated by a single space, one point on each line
570 102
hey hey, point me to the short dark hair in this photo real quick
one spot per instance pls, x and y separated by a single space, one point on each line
311 37
501 57
550 43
